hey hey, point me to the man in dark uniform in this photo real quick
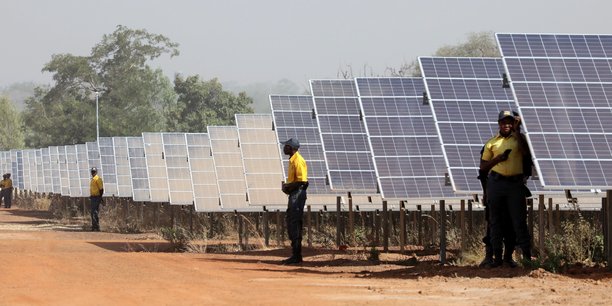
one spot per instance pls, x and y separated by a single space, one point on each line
295 188
503 158
96 190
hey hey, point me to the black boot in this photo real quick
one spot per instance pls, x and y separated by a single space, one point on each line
488 260
526 253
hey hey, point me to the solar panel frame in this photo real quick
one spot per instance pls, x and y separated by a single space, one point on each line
15 169
336 107
156 167
177 166
480 86
122 164
63 166
83 169
203 174
40 175
48 174
74 178
390 108
260 159
561 90
55 169
138 169
107 164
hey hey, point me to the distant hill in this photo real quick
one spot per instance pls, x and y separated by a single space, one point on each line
18 93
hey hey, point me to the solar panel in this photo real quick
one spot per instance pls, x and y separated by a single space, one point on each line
177 166
403 139
107 164
15 169
138 169
228 165
26 170
122 164
156 167
83 169
203 174
47 173
54 166
344 138
19 180
261 159
40 186
562 84
74 183
465 96
63 165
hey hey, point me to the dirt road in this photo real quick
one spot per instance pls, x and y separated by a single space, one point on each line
43 263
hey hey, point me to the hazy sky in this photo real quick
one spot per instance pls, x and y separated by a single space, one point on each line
266 40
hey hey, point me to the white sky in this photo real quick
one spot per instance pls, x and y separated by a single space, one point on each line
250 41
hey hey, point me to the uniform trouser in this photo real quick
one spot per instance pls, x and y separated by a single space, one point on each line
295 213
95 207
7 197
509 237
507 200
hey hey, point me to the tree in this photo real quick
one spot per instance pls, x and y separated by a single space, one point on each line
132 95
480 44
203 103
11 135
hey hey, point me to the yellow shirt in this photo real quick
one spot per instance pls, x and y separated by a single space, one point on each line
496 146
6 183
298 171
95 185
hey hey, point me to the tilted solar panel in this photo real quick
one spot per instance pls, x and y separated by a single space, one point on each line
203 174
177 167
156 167
138 169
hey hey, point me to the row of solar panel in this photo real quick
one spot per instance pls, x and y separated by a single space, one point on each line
374 135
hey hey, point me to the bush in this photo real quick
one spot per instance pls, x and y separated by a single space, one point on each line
179 238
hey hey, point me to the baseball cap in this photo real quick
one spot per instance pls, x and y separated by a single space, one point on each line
94 169
504 114
294 143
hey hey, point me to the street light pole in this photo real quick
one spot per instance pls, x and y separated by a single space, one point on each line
97 118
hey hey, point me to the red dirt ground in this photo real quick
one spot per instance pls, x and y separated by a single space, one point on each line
43 263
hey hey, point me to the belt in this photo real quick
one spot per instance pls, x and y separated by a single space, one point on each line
512 178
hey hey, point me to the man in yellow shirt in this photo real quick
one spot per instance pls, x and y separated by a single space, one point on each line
96 190
502 159
295 188
7 190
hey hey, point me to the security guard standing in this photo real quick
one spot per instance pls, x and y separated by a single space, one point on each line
96 190
502 158
295 188
7 190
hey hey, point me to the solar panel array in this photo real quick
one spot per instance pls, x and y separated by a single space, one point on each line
203 174
368 136
563 84
156 167
180 191
261 159
138 169
465 96
344 138
403 139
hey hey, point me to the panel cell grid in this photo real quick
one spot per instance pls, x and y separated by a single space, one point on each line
177 165
74 182
261 159
465 95
203 174
156 167
563 87
64 177
293 118
397 126
122 164
83 169
40 172
336 105
107 163
138 169
54 164
228 165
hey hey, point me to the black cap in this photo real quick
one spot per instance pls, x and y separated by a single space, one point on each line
294 143
504 114
94 169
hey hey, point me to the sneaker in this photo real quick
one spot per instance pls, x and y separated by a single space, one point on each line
510 263
292 260
486 262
